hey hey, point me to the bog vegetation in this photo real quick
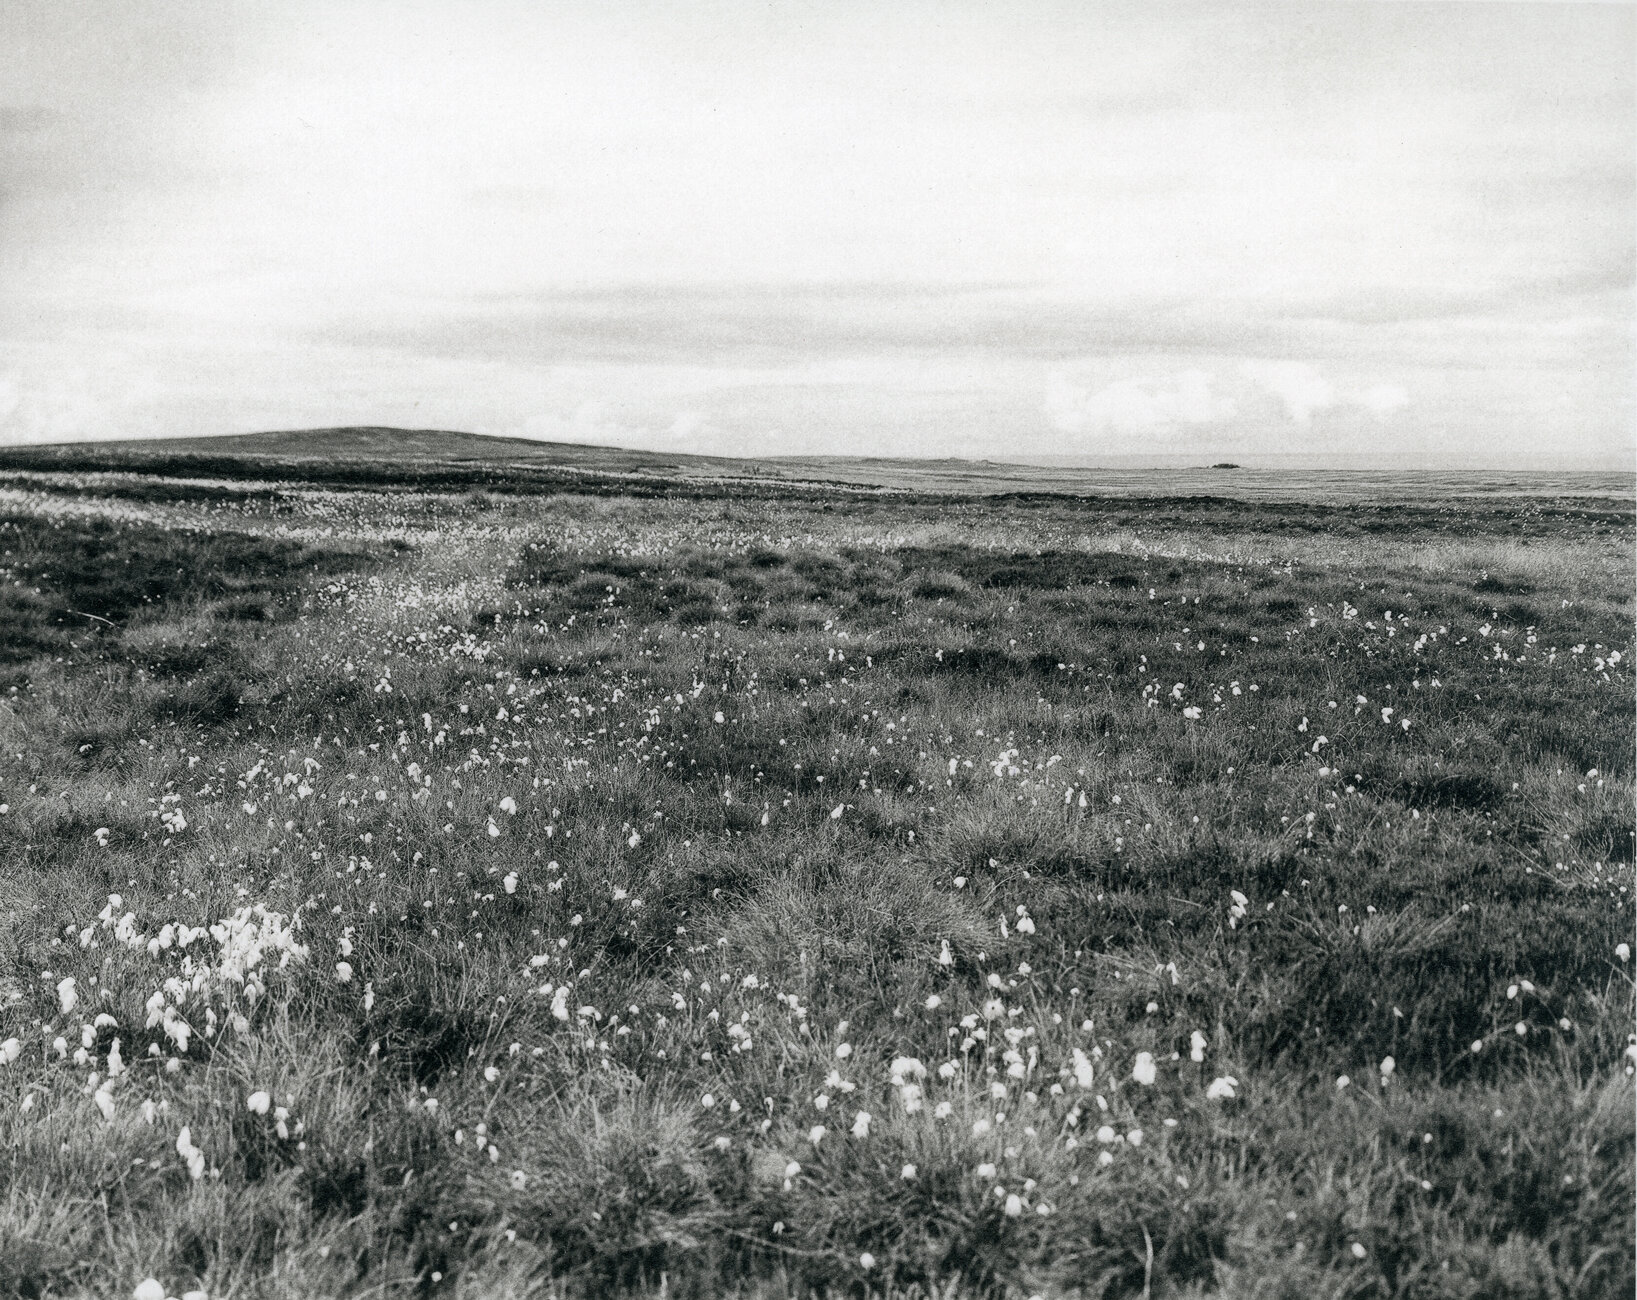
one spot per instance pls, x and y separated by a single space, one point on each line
557 894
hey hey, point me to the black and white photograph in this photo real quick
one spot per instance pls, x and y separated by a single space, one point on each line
818 650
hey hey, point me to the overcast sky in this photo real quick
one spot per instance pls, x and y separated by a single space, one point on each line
1403 230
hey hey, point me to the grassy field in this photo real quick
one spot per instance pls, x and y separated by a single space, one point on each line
571 891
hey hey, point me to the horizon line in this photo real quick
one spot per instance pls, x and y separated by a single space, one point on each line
1227 458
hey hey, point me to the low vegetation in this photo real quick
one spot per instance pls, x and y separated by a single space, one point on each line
527 893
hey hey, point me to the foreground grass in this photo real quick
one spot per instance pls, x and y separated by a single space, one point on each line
571 896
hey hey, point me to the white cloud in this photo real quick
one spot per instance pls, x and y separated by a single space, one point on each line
54 406
1382 400
1297 385
591 421
1303 391
1135 405
686 425
588 422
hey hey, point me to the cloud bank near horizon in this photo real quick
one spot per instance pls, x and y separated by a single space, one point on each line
919 229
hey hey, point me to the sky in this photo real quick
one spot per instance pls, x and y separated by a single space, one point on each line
1398 231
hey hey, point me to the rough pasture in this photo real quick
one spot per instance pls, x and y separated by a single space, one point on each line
577 895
